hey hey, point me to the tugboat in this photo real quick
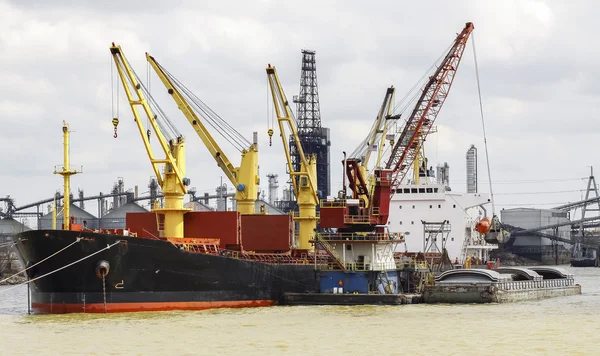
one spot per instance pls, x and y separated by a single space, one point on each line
583 256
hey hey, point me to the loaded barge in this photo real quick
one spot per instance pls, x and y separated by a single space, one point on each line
501 285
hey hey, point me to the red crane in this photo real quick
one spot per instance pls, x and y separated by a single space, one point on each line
427 108
352 214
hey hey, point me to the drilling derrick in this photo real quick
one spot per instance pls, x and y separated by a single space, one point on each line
314 138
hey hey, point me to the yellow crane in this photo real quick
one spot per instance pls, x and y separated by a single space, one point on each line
304 182
172 181
244 178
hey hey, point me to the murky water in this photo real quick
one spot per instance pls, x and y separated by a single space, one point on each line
558 326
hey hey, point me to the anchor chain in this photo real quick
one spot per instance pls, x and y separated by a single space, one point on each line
104 289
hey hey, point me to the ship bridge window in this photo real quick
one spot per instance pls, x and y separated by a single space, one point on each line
429 190
435 190
413 190
406 190
421 190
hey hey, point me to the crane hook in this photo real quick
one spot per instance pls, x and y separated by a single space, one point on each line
270 132
115 123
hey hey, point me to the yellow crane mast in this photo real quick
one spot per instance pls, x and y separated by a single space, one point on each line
66 172
244 178
304 182
172 181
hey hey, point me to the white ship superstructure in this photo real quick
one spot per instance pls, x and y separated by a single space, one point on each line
415 204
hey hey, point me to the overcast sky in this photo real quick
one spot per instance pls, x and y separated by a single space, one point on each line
536 59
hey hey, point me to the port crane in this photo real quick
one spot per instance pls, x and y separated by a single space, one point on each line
369 207
171 180
304 181
427 108
244 178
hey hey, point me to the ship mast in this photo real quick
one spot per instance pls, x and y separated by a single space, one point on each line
66 172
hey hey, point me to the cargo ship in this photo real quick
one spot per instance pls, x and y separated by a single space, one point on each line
173 258
144 274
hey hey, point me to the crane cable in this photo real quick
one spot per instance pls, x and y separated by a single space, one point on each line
270 115
214 120
487 158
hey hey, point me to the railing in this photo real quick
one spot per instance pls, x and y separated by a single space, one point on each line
357 219
296 214
332 204
546 283
349 236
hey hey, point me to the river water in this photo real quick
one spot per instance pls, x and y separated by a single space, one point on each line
556 326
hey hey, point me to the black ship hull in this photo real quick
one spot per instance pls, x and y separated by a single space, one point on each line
147 275
583 262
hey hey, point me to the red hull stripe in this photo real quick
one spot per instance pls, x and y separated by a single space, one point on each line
46 308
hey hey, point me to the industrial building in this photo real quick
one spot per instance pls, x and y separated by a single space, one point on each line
77 213
9 227
535 246
116 218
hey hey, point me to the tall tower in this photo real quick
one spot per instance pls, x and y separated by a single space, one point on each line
314 138
273 185
472 170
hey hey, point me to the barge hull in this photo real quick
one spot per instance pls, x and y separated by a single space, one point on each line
490 294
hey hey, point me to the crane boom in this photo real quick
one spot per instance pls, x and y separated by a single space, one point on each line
172 181
427 108
244 178
304 181
356 166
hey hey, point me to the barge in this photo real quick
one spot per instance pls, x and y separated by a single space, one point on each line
502 285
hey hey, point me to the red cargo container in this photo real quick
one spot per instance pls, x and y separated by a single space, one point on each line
267 233
223 225
332 217
143 224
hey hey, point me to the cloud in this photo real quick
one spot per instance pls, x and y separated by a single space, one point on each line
535 64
